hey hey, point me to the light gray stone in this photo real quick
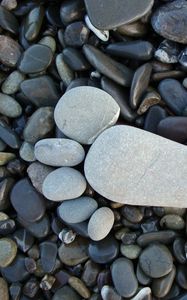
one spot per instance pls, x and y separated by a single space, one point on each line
59 152
9 106
64 184
132 166
77 210
12 82
84 112
143 294
26 152
100 223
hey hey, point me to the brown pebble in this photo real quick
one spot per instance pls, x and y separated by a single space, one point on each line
79 287
10 51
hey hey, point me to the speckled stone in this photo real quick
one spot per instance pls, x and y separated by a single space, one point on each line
8 251
10 51
27 152
135 183
12 83
81 115
9 106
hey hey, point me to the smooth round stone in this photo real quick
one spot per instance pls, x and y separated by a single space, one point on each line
106 164
26 152
39 125
153 117
142 277
90 273
132 213
181 276
33 23
9 136
9 106
74 253
12 83
107 292
4 295
77 210
156 261
100 223
48 253
144 293
135 29
35 59
179 250
163 236
75 59
72 10
72 113
161 286
10 51
39 229
64 71
169 21
130 251
64 184
109 15
104 251
76 34
173 222
8 21
167 52
79 286
66 293
68 153
124 278
8 251
173 128
27 202
16 271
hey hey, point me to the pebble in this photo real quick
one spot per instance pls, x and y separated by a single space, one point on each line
26 152
33 23
68 153
5 187
182 58
23 239
101 34
72 10
9 4
132 213
140 50
36 58
142 277
108 292
167 52
39 229
16 271
169 21
156 261
144 293
66 293
53 14
50 42
173 128
8 21
139 84
10 51
72 113
77 210
90 273
4 295
79 286
107 66
74 253
8 251
27 202
9 106
12 83
103 251
9 136
179 250
109 16
173 222
130 251
100 223
135 29
149 99
123 276
181 276
162 236
161 286
155 114
64 184
175 74
39 125
76 34
75 59
41 91
64 71
37 173
48 254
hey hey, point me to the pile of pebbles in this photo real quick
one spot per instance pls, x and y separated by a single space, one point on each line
74 75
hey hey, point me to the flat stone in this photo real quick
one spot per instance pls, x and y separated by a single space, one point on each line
161 286
173 128
27 152
74 253
16 271
77 210
72 10
64 184
41 91
8 21
72 113
33 23
27 202
156 261
39 229
124 278
106 164
12 83
153 117
169 21
66 293
162 236
8 251
76 34
9 106
39 125
35 59
10 51
48 253
109 15
68 153
100 223
75 59
3 289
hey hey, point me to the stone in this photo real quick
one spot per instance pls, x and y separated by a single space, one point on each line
8 251
37 173
77 210
53 14
140 83
168 52
149 99
135 29
9 4
175 74
173 128
36 58
181 276
48 41
139 50
162 236
10 51
39 229
76 34
156 261
75 59
169 21
153 117
130 251
142 277
48 254
107 66
72 10
64 183
161 286
33 23
8 21
5 187
9 106
41 91
79 286
179 250
154 168
26 152
74 253
16 271
73 118
101 34
108 292
66 293
80 228
103 251
124 278
173 222
68 153
23 239
39 125
182 58
9 136
132 213
3 289
106 15
144 293
64 71
12 83
90 273
100 223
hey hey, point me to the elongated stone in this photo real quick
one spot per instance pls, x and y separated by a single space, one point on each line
33 23
8 21
9 106
141 162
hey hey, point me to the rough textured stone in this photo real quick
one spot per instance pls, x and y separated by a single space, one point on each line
137 166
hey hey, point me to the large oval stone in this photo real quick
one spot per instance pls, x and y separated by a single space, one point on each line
129 165
81 115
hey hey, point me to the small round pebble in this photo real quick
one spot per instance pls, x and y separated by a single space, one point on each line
173 222
130 251
8 251
9 106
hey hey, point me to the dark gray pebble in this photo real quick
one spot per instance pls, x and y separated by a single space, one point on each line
16 271
8 21
39 229
179 250
72 10
155 114
142 277
5 187
10 51
66 293
53 14
173 128
167 52
48 253
76 34
75 59
23 239
163 236
33 23
132 213
9 136
181 276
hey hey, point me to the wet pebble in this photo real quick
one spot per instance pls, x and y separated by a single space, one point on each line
33 23
75 59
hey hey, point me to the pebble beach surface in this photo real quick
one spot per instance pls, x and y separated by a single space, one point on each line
93 159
